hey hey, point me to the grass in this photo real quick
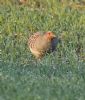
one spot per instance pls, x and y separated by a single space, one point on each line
55 77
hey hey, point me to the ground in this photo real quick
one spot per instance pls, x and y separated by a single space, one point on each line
58 76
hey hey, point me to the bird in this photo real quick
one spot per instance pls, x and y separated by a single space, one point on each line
40 44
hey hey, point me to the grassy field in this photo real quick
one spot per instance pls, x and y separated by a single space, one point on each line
55 77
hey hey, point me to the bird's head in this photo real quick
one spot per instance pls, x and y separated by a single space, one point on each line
49 35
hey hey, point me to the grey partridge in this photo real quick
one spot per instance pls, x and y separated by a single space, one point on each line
39 44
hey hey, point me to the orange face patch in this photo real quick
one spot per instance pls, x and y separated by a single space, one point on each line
50 35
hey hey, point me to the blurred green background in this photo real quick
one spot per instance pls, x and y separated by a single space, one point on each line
55 77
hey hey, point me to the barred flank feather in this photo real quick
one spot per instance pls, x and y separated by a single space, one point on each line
32 40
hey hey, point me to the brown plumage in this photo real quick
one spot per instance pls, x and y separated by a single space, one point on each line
39 44
22 1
